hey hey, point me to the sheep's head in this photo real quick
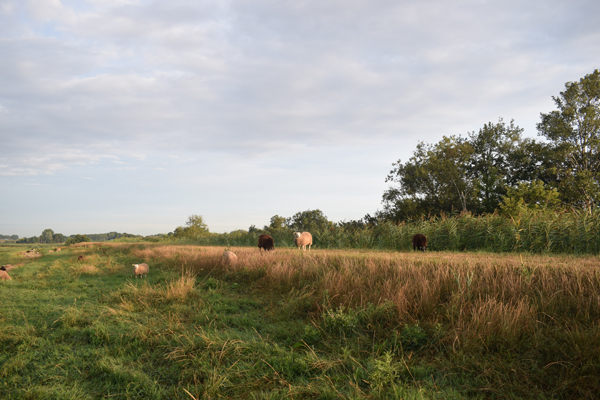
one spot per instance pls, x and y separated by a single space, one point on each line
135 266
297 235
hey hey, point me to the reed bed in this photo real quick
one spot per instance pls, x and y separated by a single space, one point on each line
533 231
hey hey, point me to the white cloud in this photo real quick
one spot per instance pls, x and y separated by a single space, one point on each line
224 95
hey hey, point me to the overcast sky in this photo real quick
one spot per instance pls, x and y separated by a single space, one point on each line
131 115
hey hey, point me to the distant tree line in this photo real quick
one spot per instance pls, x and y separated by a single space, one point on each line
496 169
9 237
48 236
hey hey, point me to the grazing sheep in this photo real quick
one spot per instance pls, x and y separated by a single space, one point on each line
6 267
266 242
50 251
4 275
57 249
140 270
80 258
419 242
302 240
229 257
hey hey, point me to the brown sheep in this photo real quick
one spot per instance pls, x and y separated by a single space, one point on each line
81 257
419 242
229 257
140 270
266 242
302 240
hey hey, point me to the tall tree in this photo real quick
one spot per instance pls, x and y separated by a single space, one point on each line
310 221
433 180
46 236
574 132
195 227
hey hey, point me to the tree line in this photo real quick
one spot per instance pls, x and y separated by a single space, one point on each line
48 236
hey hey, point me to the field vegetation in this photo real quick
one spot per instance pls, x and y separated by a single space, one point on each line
531 231
361 324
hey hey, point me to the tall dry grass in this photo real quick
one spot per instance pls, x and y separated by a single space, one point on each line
478 298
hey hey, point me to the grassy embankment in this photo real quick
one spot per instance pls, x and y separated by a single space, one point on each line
329 324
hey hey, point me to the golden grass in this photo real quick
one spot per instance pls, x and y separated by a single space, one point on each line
477 296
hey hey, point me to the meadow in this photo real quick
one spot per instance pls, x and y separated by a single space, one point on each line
329 324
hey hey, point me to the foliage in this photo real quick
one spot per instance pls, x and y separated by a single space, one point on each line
77 239
47 236
532 195
309 221
574 133
527 223
455 174
195 227
477 173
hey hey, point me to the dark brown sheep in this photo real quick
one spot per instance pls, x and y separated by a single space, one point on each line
419 242
80 258
266 242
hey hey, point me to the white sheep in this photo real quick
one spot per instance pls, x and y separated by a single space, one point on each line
302 240
229 257
140 270
4 275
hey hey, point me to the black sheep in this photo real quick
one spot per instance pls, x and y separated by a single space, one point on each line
419 242
266 242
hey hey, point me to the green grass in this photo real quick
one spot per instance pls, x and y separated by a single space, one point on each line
326 325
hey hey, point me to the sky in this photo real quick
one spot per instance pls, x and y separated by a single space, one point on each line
132 115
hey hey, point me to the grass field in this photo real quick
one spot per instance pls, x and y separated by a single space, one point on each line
327 324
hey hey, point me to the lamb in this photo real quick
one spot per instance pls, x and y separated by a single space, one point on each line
266 242
229 257
302 240
140 270
419 242
4 275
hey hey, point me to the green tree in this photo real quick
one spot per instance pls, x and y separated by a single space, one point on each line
58 238
490 162
46 236
529 195
433 180
459 174
309 221
277 226
574 133
194 227
77 239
